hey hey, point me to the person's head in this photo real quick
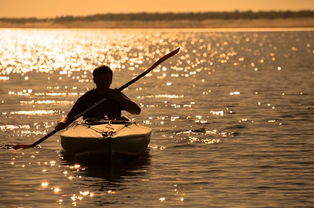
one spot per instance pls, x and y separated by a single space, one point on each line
102 76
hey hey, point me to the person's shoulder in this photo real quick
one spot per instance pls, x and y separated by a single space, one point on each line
121 93
88 94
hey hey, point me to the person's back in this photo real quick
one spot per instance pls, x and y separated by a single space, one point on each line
111 108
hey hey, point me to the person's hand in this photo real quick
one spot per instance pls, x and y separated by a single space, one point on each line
60 125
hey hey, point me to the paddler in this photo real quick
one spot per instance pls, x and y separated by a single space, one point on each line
110 109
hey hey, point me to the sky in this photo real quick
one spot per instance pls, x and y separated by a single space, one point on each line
54 8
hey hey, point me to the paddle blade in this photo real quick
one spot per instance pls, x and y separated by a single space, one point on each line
17 146
22 146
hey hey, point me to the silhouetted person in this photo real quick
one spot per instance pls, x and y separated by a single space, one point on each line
111 108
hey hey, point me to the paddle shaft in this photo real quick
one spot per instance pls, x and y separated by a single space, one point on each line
162 59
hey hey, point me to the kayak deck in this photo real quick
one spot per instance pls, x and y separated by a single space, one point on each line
124 138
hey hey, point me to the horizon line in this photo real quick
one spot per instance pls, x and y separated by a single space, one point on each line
160 13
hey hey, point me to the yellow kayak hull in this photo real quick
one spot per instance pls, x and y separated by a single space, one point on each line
126 138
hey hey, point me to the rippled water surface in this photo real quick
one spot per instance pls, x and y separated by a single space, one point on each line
232 118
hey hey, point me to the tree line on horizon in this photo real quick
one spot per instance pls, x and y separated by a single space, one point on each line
144 16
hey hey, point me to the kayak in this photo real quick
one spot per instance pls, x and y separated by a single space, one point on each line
106 137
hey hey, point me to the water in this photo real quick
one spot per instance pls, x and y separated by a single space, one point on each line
232 118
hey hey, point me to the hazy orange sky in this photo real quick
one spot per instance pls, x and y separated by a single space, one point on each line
53 8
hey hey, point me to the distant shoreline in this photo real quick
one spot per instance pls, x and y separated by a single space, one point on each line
210 23
211 20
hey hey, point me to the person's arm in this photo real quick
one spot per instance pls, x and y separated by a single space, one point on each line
127 104
76 109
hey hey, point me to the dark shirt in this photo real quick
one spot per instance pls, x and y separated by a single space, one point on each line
110 108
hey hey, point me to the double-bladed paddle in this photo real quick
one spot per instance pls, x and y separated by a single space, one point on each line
162 59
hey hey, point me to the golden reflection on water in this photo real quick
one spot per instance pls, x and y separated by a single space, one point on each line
203 97
34 112
32 52
45 102
56 190
44 184
160 96
12 127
